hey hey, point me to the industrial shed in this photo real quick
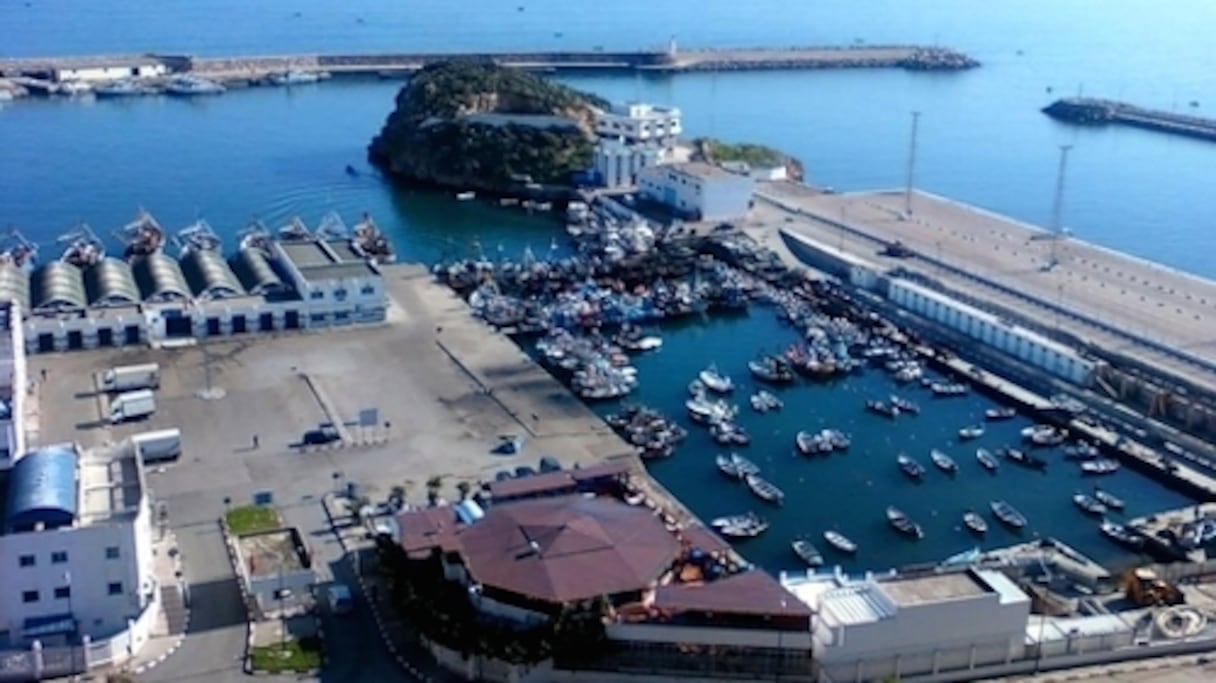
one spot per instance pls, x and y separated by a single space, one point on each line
56 286
160 278
14 285
42 490
110 282
253 268
209 275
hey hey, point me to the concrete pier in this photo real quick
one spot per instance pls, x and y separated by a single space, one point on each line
1093 111
910 57
1154 325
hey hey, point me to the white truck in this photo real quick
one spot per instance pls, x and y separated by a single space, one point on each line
163 445
132 405
131 377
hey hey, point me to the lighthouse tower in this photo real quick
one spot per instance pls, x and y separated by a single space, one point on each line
671 47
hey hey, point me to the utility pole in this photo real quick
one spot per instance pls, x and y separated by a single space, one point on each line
911 165
1057 209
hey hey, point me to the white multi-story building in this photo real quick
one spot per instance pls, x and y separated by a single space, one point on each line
698 190
76 561
636 123
944 624
338 286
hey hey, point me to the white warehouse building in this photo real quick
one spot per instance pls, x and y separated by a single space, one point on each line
943 624
76 560
1026 345
698 190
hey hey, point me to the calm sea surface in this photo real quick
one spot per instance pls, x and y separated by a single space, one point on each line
273 153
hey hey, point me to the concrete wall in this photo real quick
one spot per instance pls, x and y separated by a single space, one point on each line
13 385
1026 345
670 633
832 261
714 197
99 74
99 613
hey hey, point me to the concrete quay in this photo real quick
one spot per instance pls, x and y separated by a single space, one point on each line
1153 324
911 57
1094 111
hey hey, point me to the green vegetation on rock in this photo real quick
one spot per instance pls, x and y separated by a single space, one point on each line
756 156
477 125
252 519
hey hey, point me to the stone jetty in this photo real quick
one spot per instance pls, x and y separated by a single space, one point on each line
1095 111
669 60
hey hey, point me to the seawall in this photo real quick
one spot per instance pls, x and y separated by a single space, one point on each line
910 57
1094 111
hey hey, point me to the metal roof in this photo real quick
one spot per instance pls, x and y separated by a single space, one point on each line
14 285
160 278
58 285
209 276
42 488
110 281
255 272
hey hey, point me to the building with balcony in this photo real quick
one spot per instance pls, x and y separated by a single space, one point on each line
636 123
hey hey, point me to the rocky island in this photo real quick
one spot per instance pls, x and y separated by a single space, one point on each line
476 125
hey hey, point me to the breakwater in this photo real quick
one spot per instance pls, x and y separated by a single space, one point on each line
911 57
1094 111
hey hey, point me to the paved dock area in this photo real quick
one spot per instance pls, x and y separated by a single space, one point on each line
443 385
1146 311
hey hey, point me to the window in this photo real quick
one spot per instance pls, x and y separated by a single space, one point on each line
63 592
114 588
316 295
29 596
26 561
112 552
340 294
367 289
59 557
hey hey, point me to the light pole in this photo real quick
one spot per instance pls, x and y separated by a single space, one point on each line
911 165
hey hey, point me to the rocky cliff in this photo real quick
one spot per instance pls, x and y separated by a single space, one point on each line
477 125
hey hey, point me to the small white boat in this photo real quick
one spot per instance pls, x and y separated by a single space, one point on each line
807 552
1109 499
188 86
840 542
1089 504
996 414
1122 534
970 432
1100 466
466 196
1008 514
294 77
944 462
716 381
986 459
764 489
974 522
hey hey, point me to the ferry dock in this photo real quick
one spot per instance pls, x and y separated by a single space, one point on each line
1095 111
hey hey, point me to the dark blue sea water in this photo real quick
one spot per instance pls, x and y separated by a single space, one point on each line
272 153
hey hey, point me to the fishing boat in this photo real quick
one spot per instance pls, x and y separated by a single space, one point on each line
882 408
1044 435
771 369
1008 514
123 88
709 412
748 525
1088 504
716 381
696 389
1100 466
294 77
763 401
998 414
188 85
807 552
142 236
944 462
370 242
903 404
1122 534
973 521
909 466
466 196
1109 499
736 466
986 459
963 559
903 523
84 248
948 389
840 542
970 432
764 489
811 443
1082 450
1025 459
726 433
